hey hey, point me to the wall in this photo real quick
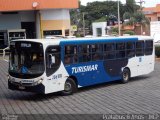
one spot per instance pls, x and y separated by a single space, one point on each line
10 21
13 21
57 19
152 16
101 25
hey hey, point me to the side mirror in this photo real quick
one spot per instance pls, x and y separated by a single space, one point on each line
4 54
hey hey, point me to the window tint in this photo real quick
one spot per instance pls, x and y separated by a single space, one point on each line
130 45
149 47
84 53
70 54
97 52
109 47
120 50
140 48
120 46
130 49
109 51
109 55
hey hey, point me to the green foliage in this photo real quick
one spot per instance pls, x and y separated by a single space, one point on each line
131 6
126 15
140 18
102 19
129 32
98 11
114 31
157 51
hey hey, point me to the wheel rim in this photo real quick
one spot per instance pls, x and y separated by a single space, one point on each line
125 76
68 86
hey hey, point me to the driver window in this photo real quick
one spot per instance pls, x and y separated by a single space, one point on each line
52 59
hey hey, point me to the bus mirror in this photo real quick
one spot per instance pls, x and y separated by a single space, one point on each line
4 54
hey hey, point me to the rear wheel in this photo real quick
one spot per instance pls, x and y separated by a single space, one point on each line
70 87
125 75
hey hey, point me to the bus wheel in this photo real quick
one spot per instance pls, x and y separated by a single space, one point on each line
125 75
70 87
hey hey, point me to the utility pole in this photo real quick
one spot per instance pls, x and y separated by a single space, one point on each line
119 27
141 2
83 24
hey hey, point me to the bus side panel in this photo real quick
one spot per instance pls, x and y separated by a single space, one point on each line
97 72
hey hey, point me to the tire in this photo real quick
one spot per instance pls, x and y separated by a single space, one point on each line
125 75
70 87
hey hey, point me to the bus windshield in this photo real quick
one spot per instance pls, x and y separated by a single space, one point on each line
26 60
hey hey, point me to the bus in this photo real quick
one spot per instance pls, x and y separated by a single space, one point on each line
52 65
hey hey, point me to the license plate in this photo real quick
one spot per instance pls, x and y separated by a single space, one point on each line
22 87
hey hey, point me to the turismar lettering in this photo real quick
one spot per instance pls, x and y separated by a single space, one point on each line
87 68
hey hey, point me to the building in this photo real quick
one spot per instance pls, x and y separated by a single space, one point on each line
153 14
99 28
38 18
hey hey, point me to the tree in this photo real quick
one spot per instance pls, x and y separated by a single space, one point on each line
131 6
134 16
96 12
139 18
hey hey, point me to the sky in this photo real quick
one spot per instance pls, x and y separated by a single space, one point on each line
148 3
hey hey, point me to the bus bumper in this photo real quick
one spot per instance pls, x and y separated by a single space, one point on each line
36 89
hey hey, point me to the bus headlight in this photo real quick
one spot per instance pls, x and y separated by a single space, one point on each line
38 82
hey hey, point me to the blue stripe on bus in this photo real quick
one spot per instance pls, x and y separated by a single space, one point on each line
93 41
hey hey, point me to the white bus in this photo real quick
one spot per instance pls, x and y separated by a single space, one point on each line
46 66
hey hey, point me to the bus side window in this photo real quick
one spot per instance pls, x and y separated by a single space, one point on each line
148 47
97 52
130 49
140 48
109 51
70 54
120 50
84 53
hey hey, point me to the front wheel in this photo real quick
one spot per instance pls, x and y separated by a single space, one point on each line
125 75
70 87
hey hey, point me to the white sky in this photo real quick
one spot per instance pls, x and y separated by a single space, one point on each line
148 3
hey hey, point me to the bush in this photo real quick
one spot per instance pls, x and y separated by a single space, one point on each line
157 51
129 32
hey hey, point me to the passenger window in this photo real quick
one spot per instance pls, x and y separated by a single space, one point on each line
130 49
70 56
148 47
109 47
130 45
140 48
120 50
97 50
84 53
120 46
109 51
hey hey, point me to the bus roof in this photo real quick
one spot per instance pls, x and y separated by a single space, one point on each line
87 40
